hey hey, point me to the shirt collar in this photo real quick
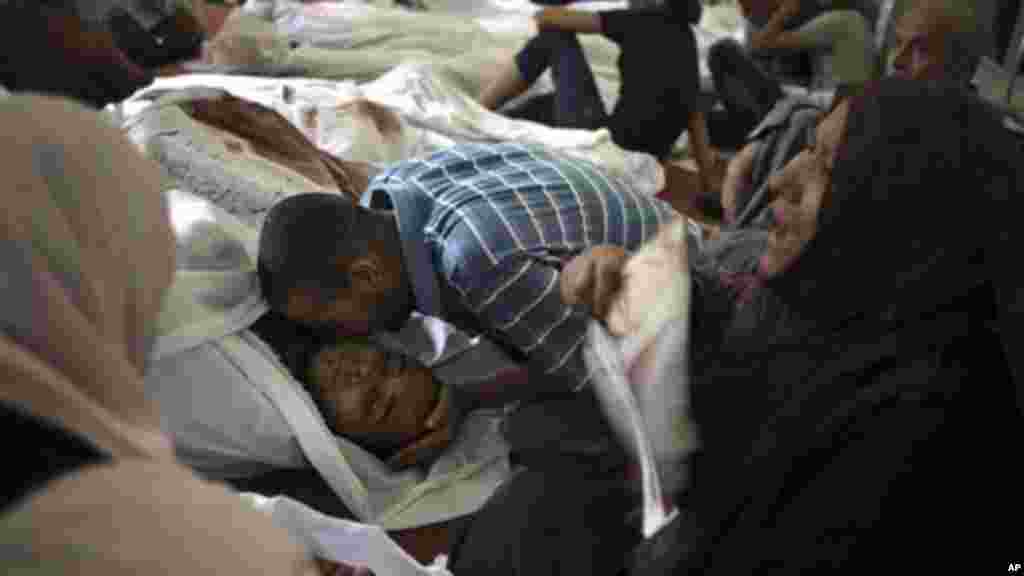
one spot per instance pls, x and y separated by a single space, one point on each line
412 210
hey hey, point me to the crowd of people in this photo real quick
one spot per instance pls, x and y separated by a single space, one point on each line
853 372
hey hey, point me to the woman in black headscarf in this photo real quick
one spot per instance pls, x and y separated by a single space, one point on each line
850 393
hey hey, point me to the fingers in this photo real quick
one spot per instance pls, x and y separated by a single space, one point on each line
573 280
738 177
440 415
607 274
593 278
423 449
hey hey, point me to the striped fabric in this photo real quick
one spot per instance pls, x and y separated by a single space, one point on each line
496 222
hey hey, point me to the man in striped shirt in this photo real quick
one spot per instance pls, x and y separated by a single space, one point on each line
475 234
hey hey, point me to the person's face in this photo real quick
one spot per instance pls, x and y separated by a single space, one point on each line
355 309
919 52
798 190
373 396
344 311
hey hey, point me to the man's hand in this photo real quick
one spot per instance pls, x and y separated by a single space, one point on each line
773 36
738 179
442 425
593 279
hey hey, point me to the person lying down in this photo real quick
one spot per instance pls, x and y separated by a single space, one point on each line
229 380
385 401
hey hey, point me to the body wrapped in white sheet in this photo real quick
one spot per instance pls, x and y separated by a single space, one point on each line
233 409
431 114
467 41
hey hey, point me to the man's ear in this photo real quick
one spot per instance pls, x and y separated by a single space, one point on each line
367 275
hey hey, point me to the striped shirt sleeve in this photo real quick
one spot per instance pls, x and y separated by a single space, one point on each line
521 302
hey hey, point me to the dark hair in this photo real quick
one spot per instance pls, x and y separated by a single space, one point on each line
295 345
303 241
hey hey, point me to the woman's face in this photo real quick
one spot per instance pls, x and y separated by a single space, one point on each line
798 190
376 397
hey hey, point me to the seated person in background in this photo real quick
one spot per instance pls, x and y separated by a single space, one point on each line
838 35
475 235
656 103
70 49
828 420
934 39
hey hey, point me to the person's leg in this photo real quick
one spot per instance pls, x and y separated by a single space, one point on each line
516 76
578 102
745 90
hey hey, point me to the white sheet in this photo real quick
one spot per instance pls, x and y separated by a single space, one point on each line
361 42
344 541
434 114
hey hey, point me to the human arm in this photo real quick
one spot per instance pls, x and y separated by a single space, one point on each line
706 157
773 34
519 305
568 20
738 178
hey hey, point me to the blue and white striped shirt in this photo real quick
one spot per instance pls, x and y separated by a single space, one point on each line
494 223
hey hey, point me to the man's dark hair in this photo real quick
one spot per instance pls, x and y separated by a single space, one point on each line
304 242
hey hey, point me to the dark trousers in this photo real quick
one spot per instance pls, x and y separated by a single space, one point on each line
746 91
576 102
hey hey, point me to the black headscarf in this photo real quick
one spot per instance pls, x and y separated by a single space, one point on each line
843 406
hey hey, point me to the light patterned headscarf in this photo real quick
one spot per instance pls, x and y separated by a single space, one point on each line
86 254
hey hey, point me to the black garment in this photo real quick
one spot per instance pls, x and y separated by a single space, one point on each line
1007 12
45 452
847 408
747 92
567 517
174 39
659 79
568 510
50 51
657 70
